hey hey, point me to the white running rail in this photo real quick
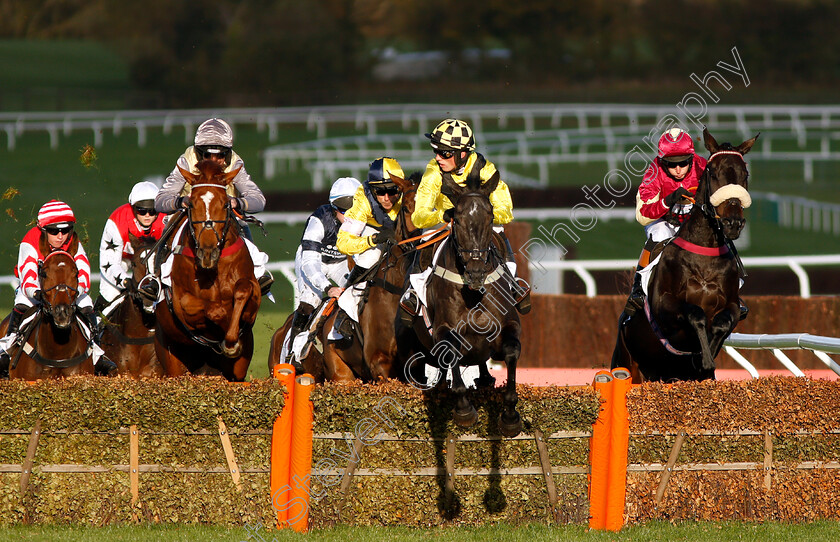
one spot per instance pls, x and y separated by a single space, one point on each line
820 346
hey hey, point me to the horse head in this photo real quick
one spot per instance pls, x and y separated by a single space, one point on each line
59 278
472 227
209 212
725 183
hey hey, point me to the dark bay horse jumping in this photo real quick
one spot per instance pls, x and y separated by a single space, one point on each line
128 331
373 355
55 345
470 308
205 325
692 299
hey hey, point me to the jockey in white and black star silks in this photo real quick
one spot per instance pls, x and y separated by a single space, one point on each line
664 199
139 218
321 269
368 225
214 141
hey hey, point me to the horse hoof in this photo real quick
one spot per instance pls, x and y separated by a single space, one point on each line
465 418
232 352
510 428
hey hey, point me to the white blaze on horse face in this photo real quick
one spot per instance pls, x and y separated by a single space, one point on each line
207 197
61 264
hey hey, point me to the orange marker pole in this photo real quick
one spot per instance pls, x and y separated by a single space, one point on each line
281 439
619 441
301 463
599 451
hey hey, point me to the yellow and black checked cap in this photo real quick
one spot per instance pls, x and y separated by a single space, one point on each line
452 134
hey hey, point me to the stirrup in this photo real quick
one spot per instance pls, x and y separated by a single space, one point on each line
105 367
409 307
151 290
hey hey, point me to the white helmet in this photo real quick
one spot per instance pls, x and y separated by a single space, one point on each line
214 132
342 192
143 191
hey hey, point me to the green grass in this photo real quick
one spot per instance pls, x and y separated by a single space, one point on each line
827 531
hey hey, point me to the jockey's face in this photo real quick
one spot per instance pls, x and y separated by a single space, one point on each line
445 164
387 196
678 170
56 237
145 216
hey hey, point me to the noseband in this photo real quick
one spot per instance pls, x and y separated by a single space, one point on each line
729 191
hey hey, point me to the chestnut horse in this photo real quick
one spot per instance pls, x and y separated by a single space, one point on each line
54 343
128 336
470 308
692 303
205 325
372 356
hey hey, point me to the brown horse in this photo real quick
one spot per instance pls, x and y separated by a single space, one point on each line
128 336
692 297
470 308
205 325
373 355
55 345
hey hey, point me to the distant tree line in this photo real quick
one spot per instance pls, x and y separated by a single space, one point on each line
316 51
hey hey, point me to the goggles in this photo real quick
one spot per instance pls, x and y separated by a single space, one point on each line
143 211
445 154
55 230
683 163
389 191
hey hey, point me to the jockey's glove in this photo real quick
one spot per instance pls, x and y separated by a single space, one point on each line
384 235
449 214
676 196
128 283
183 202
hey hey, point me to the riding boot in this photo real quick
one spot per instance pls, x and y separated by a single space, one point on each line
409 305
355 274
636 300
265 283
299 323
14 324
519 287
103 366
344 325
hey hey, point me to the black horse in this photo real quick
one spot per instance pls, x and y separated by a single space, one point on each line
471 311
692 303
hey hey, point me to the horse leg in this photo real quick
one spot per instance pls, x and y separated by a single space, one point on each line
464 414
232 346
510 423
172 365
696 318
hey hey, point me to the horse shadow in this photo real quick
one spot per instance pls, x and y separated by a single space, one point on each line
439 404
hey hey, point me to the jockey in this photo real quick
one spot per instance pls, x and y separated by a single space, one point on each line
453 143
321 269
368 225
139 218
214 141
664 201
53 231
668 184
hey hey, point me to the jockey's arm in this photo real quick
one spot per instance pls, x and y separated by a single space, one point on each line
83 265
110 255
649 198
350 239
27 267
310 255
429 203
250 195
166 200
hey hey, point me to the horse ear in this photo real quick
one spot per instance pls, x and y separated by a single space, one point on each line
230 176
745 147
187 175
710 142
402 184
491 184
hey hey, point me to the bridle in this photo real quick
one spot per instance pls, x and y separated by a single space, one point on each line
467 255
46 306
209 224
708 209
